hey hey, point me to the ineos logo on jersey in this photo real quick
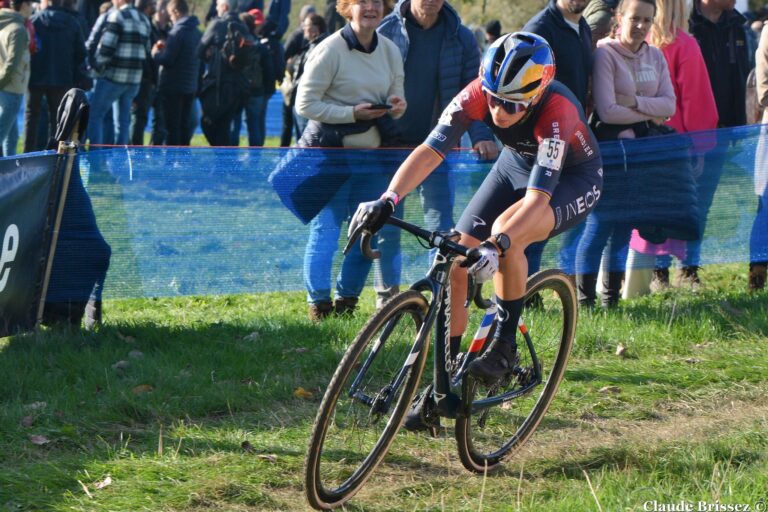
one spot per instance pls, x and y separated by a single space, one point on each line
8 253
583 203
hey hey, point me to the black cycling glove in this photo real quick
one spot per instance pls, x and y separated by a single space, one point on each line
371 216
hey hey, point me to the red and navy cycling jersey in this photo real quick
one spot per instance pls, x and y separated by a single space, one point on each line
553 138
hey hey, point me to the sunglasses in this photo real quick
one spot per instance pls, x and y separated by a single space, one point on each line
509 106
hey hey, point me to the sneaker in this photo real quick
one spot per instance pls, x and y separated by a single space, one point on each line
757 275
345 305
689 277
319 311
495 363
660 280
421 416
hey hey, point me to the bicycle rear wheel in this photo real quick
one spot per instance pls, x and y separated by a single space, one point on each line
490 435
364 405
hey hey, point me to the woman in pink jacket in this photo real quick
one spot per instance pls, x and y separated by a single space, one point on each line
695 110
632 91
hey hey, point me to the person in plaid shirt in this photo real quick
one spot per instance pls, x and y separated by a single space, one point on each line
119 63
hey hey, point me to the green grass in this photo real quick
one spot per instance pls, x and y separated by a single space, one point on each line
689 420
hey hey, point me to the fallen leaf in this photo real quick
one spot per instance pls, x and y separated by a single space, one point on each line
268 457
302 393
39 440
135 354
142 388
610 389
121 365
247 446
27 421
36 406
254 336
125 338
621 350
100 485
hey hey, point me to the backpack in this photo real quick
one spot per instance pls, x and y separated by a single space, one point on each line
253 70
236 48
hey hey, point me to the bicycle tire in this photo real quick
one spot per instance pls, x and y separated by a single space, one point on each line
334 470
488 437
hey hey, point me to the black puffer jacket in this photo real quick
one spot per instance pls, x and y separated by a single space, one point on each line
724 47
179 62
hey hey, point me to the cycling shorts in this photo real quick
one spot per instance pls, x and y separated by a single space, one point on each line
574 197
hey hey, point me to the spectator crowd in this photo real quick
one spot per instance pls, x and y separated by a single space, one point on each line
370 74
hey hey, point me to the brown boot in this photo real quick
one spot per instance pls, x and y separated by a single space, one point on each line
689 277
319 311
345 305
660 280
757 274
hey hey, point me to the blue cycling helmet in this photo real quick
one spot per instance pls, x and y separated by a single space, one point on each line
517 67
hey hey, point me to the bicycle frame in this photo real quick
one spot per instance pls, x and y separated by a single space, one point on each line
447 391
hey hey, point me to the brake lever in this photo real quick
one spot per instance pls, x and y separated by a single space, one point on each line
352 239
470 290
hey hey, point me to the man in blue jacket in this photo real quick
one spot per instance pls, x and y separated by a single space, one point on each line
423 29
561 23
57 66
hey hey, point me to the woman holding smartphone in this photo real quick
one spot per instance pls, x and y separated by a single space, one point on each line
352 84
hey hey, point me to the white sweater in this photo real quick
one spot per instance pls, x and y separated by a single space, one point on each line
336 79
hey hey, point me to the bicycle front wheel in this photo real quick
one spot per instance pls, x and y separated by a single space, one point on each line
366 400
489 435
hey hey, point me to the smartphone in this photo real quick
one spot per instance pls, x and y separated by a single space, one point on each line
380 106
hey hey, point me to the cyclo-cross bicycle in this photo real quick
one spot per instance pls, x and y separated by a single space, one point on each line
372 388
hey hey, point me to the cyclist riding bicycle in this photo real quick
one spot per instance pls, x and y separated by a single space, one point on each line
546 180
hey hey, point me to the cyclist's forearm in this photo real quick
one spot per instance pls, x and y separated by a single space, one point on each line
419 164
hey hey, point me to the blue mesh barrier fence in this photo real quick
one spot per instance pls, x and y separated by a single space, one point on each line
188 221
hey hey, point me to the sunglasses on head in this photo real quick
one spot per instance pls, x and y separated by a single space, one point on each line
509 106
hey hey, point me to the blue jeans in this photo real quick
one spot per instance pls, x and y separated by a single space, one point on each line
323 241
118 97
254 120
10 103
758 241
600 234
299 123
706 186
